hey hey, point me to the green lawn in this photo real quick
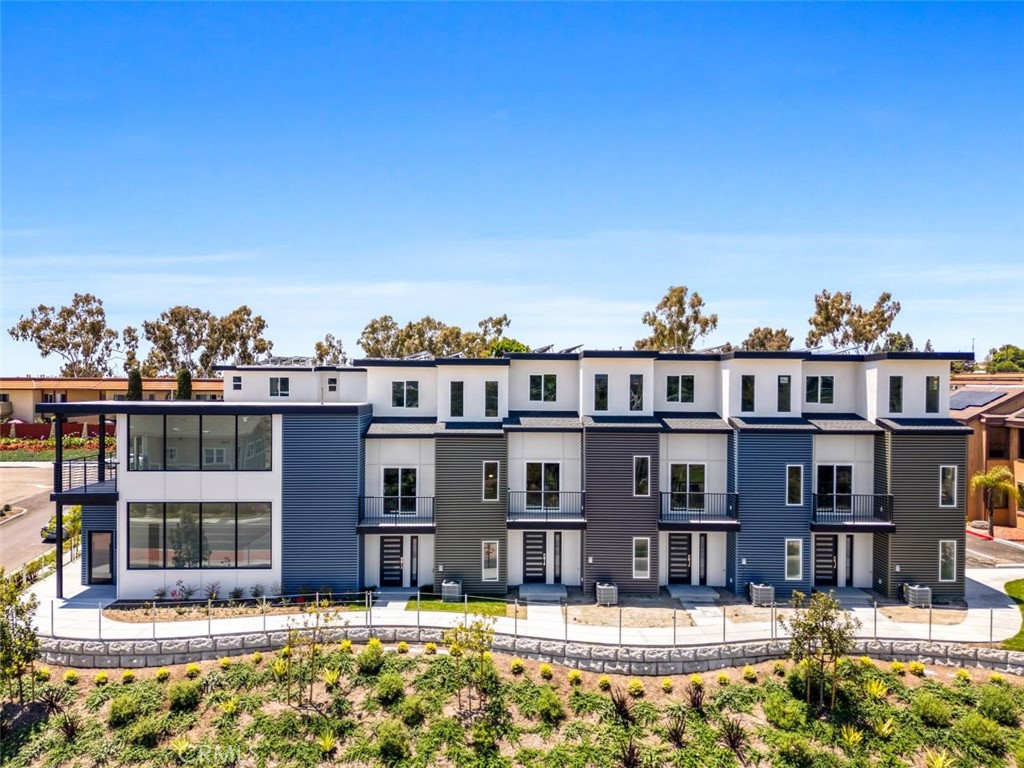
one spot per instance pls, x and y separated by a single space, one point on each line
477 606
69 453
1015 589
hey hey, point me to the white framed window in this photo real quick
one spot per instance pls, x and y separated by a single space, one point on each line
947 485
794 485
820 389
544 387
405 394
679 389
489 561
279 386
636 392
947 560
491 480
236 382
641 475
399 490
794 559
641 557
213 456
332 384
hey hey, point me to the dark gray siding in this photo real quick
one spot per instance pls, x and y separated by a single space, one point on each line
732 486
97 518
881 565
765 520
614 515
920 522
321 482
464 521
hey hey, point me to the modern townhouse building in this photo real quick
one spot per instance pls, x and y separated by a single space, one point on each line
803 471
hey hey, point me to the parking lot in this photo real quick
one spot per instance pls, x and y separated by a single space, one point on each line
29 486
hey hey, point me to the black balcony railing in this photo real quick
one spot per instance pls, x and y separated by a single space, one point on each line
692 507
396 510
545 506
87 476
841 508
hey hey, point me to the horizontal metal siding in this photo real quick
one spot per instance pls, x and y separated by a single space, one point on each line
732 485
614 515
97 518
880 555
765 520
321 482
464 521
920 521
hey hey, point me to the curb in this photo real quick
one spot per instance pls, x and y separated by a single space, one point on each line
984 536
9 518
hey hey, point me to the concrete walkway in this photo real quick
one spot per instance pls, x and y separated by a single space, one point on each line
991 615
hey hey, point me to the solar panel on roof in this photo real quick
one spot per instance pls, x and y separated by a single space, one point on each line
972 398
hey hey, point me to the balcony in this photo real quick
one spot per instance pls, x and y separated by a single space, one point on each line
545 509
85 481
683 511
845 511
396 513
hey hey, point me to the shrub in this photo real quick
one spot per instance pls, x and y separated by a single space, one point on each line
71 677
785 713
100 679
575 677
635 688
403 647
146 732
876 689
549 706
229 707
413 710
370 659
779 668
224 662
430 649
546 671
866 662
331 679
163 675
962 676
345 646
696 680
604 682
43 674
750 674
390 688
851 736
996 679
917 668
128 677
982 731
898 668
326 742
932 710
996 703
735 737
257 658
192 671
666 685
185 694
392 743
940 759
517 666
722 679
622 706
795 751
122 711
884 727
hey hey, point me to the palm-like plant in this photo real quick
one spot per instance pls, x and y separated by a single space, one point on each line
991 483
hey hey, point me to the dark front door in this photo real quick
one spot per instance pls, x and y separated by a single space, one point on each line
558 557
703 564
679 558
391 561
535 557
826 570
849 559
101 557
414 561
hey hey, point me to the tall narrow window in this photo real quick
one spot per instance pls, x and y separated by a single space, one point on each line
636 392
490 489
687 484
931 394
542 484
747 393
947 486
490 399
400 489
947 560
456 404
785 394
600 391
794 485
895 394
489 561
544 387
641 475
279 386
641 558
794 559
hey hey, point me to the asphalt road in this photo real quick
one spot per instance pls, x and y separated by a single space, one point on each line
989 554
27 487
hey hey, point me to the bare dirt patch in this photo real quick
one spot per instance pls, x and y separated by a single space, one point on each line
745 614
199 612
904 613
608 616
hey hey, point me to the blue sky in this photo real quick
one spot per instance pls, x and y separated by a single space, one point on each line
565 164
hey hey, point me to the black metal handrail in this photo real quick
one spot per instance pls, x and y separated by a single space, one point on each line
396 510
699 507
852 508
543 506
88 475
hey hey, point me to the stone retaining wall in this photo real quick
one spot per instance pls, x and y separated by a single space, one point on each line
625 660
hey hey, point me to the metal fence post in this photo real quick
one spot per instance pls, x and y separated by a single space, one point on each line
929 623
209 624
620 626
317 609
991 624
723 625
515 630
565 615
465 610
876 619
674 627
52 608
417 609
99 620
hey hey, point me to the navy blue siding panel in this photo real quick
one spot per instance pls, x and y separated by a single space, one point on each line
321 482
97 518
881 546
732 486
765 520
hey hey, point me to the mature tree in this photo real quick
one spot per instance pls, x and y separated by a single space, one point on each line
928 346
239 338
837 319
184 389
996 482
197 340
77 333
897 342
1006 359
330 351
677 322
384 338
134 385
764 339
130 348
505 344
19 645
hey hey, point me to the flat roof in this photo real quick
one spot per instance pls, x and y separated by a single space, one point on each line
195 407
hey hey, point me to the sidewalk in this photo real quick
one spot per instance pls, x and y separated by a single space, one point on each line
991 614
